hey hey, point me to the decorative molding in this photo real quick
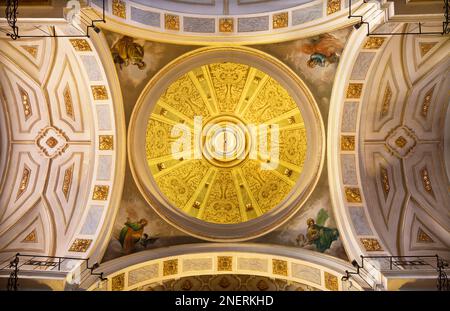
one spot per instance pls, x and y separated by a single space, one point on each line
348 143
118 282
374 43
226 24
119 8
99 92
333 6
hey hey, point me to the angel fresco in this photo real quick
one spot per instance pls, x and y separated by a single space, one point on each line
127 52
133 233
323 50
317 234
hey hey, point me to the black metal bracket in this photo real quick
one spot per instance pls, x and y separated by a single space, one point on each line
445 24
42 261
12 11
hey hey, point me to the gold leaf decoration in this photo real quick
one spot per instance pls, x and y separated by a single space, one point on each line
386 100
118 282
331 281
80 45
425 47
80 245
31 49
105 142
427 102
333 6
371 245
172 22
24 181
279 267
280 20
119 8
373 43
353 195
100 193
347 143
423 237
99 92
426 180
31 237
354 90
67 181
226 25
25 103
224 263
170 267
68 103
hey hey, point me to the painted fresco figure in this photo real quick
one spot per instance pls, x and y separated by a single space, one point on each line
317 234
131 234
323 50
126 52
320 236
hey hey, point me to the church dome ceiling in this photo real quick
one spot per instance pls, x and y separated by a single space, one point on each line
232 148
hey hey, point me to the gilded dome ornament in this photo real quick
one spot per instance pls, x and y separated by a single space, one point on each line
233 143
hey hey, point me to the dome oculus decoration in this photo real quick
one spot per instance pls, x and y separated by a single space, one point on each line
225 146
230 113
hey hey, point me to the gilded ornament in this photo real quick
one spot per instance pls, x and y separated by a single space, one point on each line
119 8
262 285
31 237
224 263
105 142
51 142
373 43
331 281
280 20
279 267
226 25
427 102
423 237
24 181
426 180
161 166
347 143
80 45
288 172
118 282
196 204
400 142
354 90
99 92
371 245
385 180
80 245
386 100
333 6
170 267
353 195
100 193
31 49
172 22
68 103
249 207
425 47
67 181
25 103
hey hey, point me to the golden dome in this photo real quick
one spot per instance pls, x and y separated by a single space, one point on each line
234 143
242 169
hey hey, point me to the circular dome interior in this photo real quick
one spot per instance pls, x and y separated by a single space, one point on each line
240 159
233 143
